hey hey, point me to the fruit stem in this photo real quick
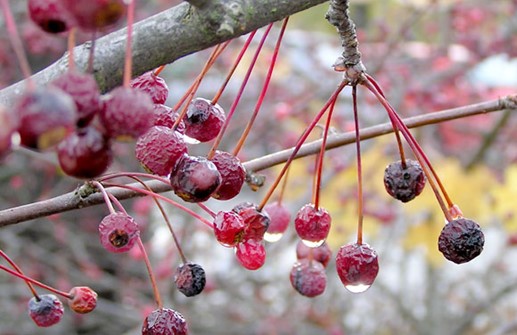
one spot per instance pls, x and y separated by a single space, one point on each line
16 42
206 209
128 61
265 87
104 195
117 203
91 56
71 46
320 157
158 70
159 196
234 66
150 272
17 268
284 186
35 282
300 141
360 197
134 174
237 99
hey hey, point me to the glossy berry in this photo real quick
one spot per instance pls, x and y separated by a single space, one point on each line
251 254
190 279
127 113
461 240
166 116
159 150
404 184
83 89
257 222
279 220
95 14
203 120
195 178
312 225
50 15
85 153
46 311
229 228
84 299
118 232
47 115
321 254
308 278
164 321
153 85
357 266
232 173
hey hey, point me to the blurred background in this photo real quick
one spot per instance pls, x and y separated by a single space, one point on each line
427 56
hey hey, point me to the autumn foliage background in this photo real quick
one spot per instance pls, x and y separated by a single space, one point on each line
428 56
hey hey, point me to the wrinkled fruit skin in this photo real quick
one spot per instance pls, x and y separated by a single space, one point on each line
308 278
118 232
312 225
195 178
251 254
203 120
320 254
229 228
190 279
46 312
84 299
159 150
95 14
279 217
461 240
153 85
357 265
164 321
257 223
50 15
166 116
232 175
404 184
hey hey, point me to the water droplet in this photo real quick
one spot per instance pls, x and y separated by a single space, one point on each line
272 237
313 244
190 140
357 288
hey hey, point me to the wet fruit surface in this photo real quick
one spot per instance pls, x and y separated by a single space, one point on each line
312 225
203 120
357 266
461 240
308 278
164 321
195 178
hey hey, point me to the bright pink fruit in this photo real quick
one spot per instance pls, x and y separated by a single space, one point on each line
118 232
229 228
312 225
357 266
256 222
308 278
153 85
280 217
251 254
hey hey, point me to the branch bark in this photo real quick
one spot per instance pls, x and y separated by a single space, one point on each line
166 37
75 200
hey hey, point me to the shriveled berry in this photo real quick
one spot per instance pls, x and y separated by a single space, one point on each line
85 153
127 113
229 228
232 174
47 115
357 266
166 116
45 311
153 85
280 218
404 183
190 279
194 179
257 222
159 150
118 232
308 278
203 120
95 14
84 299
461 240
251 254
83 89
50 15
312 225
320 254
164 321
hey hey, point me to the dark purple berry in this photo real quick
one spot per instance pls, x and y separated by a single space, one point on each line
153 85
232 174
357 266
404 184
45 311
118 232
190 279
308 278
164 321
312 225
195 178
203 120
461 240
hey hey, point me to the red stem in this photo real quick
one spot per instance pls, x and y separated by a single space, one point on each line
104 195
71 46
159 70
17 268
360 197
128 61
150 272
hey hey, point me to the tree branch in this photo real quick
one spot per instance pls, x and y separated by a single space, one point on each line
84 196
166 37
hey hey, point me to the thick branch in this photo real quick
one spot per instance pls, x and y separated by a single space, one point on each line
74 200
168 36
